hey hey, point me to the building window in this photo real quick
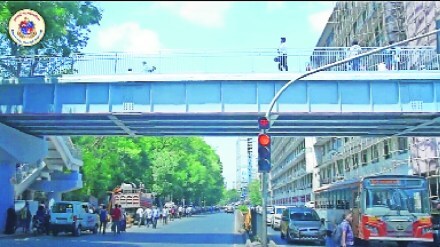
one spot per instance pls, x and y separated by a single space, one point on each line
364 159
402 144
386 149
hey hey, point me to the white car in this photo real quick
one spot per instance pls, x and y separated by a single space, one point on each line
276 221
74 217
269 214
310 204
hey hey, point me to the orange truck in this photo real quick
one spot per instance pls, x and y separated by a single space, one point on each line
130 198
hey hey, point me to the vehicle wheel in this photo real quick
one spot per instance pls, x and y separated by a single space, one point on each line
77 231
55 233
95 229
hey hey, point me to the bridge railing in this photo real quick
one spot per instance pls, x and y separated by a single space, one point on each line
216 61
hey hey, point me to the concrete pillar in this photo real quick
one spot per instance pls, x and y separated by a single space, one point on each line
56 196
7 171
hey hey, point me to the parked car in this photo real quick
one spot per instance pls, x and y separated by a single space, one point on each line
74 217
276 218
229 209
303 224
310 204
269 214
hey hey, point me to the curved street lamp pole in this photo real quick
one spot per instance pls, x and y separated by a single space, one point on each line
272 103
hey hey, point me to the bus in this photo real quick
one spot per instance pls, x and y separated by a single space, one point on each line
385 207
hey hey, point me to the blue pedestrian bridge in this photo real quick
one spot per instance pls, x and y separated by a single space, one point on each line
222 94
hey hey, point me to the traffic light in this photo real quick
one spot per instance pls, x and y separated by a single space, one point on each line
263 153
263 123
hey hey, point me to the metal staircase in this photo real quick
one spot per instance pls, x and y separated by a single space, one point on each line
62 155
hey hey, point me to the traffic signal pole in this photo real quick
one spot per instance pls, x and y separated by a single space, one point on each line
264 166
264 233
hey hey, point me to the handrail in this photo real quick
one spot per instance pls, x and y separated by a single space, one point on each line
213 61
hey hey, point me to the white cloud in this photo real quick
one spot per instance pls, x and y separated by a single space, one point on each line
207 14
319 19
128 37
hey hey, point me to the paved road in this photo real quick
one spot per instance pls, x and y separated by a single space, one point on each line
210 230
275 236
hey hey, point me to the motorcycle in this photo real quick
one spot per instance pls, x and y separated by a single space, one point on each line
38 226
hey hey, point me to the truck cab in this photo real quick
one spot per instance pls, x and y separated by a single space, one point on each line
74 217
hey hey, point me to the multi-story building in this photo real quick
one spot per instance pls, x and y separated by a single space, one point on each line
420 18
372 23
293 160
302 165
246 162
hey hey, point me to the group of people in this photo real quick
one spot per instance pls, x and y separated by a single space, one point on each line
117 216
23 218
151 215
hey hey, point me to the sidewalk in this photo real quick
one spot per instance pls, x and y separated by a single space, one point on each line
17 234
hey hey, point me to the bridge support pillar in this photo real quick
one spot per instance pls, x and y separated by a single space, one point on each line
7 174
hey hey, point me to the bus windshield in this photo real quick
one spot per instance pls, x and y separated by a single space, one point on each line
396 201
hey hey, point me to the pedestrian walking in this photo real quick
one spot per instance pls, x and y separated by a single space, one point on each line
156 215
25 217
355 50
282 55
122 219
347 238
149 216
139 215
164 215
116 216
103 217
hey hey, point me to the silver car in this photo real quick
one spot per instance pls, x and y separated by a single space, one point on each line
302 224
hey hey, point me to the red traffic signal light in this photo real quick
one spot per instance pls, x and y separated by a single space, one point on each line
263 153
263 123
264 139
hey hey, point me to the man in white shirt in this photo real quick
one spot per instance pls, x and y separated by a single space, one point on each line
139 214
282 51
149 215
355 50
155 216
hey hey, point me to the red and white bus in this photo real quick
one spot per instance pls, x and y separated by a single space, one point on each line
384 207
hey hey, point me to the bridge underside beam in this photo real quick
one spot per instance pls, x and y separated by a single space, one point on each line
227 124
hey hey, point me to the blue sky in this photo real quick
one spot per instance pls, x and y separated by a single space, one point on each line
150 26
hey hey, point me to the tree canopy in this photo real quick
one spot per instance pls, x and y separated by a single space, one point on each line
67 31
176 167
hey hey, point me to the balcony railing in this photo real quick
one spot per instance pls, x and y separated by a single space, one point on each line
212 61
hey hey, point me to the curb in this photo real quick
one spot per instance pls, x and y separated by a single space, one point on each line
15 235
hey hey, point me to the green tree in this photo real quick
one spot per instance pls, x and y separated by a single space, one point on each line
67 31
181 168
230 196
254 192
